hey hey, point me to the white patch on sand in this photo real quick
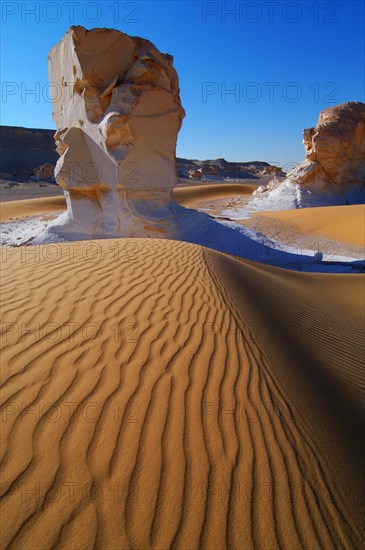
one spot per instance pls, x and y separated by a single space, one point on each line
287 195
195 227
21 232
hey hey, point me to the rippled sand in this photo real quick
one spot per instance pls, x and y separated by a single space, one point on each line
157 394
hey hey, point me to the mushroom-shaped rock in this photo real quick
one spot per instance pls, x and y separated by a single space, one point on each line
118 112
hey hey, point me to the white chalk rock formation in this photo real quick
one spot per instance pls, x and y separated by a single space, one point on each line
118 112
335 150
333 171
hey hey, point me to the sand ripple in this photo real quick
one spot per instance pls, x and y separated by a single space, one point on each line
145 404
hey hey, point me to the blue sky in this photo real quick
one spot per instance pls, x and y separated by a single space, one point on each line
283 62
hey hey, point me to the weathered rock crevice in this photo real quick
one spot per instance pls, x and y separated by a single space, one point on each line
118 112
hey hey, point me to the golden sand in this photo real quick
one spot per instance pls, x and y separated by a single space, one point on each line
343 223
192 196
334 223
156 394
186 196
15 210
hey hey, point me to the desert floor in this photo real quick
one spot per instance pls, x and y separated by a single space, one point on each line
337 230
159 394
51 199
16 190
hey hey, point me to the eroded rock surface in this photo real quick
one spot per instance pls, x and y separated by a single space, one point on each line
333 171
44 172
335 150
118 112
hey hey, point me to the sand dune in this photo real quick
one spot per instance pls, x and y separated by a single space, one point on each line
147 404
342 223
14 210
192 196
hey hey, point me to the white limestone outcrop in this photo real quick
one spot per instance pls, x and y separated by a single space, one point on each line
118 112
333 171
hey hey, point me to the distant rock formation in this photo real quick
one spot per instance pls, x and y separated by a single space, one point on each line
195 174
45 172
117 121
333 171
23 150
273 170
335 149
223 170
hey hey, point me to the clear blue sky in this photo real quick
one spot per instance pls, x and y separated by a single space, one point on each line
285 62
